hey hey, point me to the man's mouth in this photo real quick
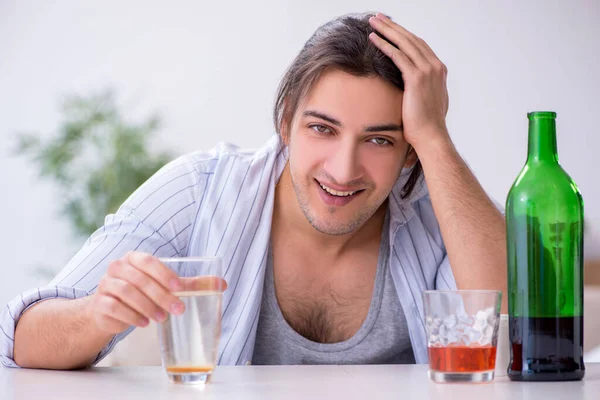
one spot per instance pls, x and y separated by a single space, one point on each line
338 193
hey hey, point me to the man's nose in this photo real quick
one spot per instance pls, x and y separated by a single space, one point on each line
343 164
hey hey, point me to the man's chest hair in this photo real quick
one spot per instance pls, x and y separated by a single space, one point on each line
325 315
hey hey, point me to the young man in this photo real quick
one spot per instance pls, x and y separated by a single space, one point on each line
328 234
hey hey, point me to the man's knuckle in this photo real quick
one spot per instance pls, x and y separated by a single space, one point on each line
113 305
396 57
109 284
166 276
114 267
143 282
146 259
110 305
125 289
419 76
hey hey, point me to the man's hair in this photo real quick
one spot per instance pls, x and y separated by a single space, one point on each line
342 43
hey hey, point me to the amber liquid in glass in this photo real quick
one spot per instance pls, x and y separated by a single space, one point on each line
189 370
462 358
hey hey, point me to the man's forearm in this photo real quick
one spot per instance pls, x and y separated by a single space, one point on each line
472 227
58 334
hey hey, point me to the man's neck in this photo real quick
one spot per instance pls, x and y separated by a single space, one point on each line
289 220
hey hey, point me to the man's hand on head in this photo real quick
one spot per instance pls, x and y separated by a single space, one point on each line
425 101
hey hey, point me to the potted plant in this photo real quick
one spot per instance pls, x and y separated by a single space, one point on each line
96 158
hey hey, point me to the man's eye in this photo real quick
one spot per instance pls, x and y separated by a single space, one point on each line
320 128
380 141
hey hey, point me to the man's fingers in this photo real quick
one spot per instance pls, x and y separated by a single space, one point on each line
427 51
204 283
112 307
398 57
134 298
145 284
419 43
404 41
153 267
160 295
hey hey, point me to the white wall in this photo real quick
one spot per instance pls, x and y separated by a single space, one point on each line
211 71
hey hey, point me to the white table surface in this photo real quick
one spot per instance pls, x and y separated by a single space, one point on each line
281 382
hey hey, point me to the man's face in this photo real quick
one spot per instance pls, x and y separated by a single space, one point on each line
346 150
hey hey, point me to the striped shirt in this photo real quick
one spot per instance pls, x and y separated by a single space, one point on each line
220 203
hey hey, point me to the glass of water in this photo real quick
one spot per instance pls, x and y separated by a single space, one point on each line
189 342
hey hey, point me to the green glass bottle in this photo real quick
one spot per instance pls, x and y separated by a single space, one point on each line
544 226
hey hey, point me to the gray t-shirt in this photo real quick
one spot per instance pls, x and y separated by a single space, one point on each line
382 339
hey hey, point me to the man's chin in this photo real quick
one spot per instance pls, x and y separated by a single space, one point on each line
333 228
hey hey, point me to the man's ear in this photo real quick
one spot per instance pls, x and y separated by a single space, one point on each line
411 157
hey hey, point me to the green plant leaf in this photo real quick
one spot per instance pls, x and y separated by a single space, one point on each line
96 158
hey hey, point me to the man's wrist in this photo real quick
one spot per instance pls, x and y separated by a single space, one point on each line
433 143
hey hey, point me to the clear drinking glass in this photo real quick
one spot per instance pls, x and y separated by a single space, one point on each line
189 342
462 334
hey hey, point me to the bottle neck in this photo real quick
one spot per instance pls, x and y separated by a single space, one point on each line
542 140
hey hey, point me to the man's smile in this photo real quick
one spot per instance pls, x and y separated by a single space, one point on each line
334 197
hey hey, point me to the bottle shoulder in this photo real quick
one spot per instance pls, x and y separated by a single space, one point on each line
544 183
544 176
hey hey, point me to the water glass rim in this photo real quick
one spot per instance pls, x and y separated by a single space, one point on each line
188 259
466 291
